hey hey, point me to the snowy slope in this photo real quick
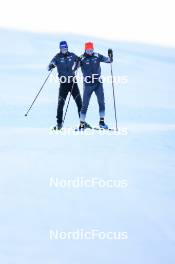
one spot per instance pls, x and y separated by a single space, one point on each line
30 156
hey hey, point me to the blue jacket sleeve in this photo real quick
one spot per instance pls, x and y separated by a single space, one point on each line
52 64
77 63
104 59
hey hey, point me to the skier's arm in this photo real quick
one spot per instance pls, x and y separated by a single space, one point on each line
77 64
106 59
52 64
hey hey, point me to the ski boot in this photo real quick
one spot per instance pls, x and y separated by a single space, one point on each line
87 125
82 126
58 126
102 124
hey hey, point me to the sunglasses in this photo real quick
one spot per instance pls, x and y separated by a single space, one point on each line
89 51
64 50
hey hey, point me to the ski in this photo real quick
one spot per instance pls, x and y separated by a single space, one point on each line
76 129
95 128
104 129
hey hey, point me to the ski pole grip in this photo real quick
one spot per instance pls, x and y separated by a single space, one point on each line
110 54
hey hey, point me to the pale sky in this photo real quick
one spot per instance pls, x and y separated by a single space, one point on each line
149 21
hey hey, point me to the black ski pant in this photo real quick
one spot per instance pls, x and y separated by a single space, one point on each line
64 89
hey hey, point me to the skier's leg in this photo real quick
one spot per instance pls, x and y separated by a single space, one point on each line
100 98
101 102
63 92
88 90
77 97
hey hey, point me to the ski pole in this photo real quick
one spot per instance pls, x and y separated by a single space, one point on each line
110 54
38 93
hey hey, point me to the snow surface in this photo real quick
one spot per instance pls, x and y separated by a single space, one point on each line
29 156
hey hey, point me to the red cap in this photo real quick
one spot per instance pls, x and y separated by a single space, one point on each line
89 46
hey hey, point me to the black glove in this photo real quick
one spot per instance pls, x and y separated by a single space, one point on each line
77 63
79 59
110 54
50 67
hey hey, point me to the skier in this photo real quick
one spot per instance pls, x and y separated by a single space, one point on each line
90 66
64 62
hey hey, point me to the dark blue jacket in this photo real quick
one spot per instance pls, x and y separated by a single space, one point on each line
90 65
64 63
